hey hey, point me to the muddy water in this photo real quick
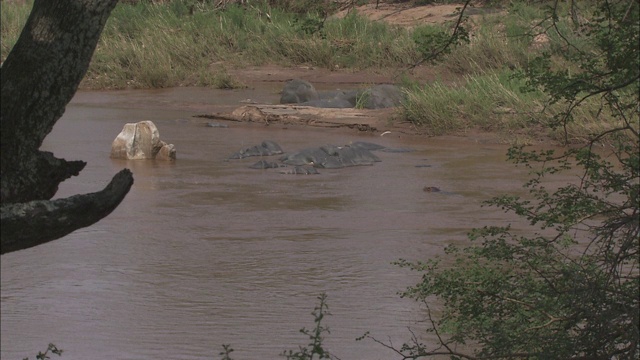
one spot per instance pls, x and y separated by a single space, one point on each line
205 252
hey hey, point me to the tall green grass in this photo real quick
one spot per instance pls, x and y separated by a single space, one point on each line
186 42
181 42
490 102
12 18
161 45
486 96
495 102
173 44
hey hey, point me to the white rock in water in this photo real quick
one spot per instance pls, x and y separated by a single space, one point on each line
139 141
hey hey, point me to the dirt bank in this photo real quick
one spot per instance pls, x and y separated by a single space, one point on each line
385 121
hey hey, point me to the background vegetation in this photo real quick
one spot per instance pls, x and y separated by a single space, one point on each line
187 42
147 44
565 288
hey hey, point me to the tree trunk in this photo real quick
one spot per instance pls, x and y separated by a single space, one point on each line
38 79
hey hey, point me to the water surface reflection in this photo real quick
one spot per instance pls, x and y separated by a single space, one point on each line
205 252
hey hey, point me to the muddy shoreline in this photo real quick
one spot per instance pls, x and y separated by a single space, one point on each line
384 122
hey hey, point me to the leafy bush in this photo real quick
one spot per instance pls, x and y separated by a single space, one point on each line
316 347
429 39
316 338
567 286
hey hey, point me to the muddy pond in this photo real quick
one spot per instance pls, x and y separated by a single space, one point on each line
205 252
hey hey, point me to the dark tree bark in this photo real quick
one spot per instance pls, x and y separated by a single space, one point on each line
38 79
58 216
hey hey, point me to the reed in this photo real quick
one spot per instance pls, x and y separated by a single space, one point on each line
491 102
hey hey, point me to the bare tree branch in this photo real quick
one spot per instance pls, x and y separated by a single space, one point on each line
25 225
